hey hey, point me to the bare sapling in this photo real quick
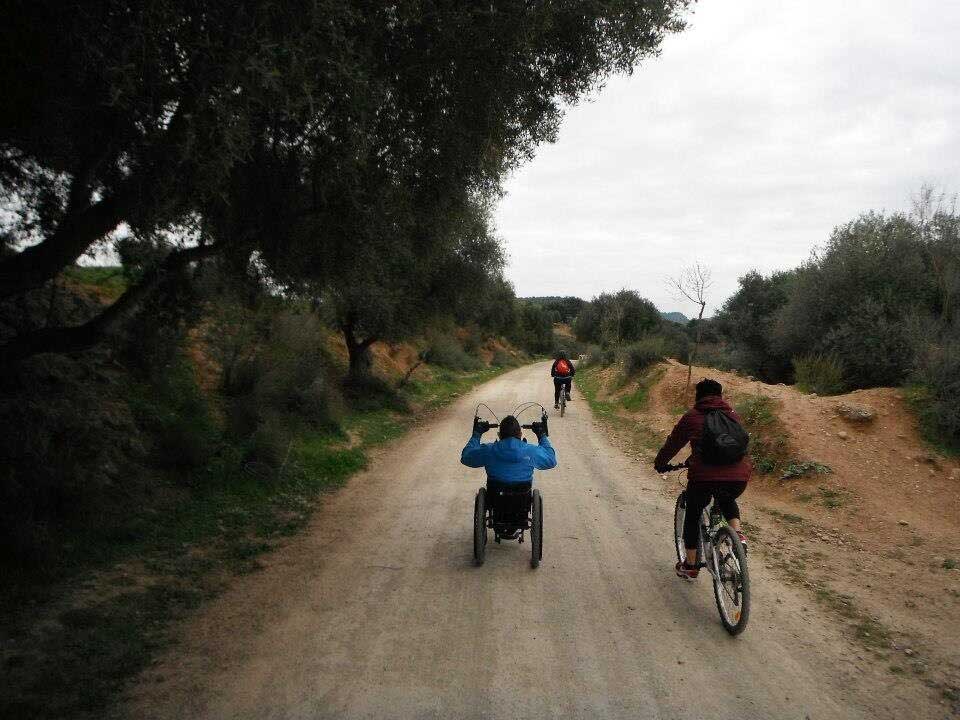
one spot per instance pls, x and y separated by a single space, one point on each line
692 284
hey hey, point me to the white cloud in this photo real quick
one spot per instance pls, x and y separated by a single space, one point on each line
757 131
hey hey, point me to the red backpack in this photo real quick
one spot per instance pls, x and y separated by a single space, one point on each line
563 367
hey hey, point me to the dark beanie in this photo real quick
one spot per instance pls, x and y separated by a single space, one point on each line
510 427
708 387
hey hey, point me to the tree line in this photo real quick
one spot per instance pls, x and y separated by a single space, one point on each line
347 152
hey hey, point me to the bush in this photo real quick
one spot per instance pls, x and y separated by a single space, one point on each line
769 447
445 351
177 413
640 355
269 444
936 397
819 373
501 358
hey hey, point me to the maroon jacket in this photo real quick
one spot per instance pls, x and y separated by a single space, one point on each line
688 430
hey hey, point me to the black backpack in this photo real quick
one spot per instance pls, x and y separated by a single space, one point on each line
724 440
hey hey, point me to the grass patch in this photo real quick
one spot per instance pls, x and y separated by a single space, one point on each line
769 444
637 400
804 468
928 409
108 280
611 413
950 564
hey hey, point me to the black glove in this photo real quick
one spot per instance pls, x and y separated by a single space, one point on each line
540 429
661 467
480 426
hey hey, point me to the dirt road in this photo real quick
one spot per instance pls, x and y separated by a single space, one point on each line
378 612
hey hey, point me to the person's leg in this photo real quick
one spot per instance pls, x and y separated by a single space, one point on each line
556 393
567 385
697 499
726 499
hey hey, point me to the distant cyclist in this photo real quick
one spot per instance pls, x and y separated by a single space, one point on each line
562 372
724 481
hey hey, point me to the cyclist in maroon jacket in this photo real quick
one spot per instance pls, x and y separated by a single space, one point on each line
725 483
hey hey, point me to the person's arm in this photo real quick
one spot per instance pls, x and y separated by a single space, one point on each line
573 369
553 369
679 437
474 454
544 456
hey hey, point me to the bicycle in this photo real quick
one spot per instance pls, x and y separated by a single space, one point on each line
564 391
721 553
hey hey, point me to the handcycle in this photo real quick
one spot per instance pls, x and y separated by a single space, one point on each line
509 513
720 551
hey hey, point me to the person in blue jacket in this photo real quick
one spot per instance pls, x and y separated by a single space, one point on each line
510 461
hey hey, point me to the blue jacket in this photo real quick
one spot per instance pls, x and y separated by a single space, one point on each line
510 460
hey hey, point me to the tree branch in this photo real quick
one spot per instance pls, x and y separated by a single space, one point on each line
83 337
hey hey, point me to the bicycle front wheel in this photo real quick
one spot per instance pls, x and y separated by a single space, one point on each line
679 514
731 580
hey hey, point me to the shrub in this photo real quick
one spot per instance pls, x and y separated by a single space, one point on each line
936 397
819 373
501 358
269 444
177 411
640 355
444 350
769 447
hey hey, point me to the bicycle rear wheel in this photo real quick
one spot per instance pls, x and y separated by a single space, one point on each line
563 401
679 514
731 580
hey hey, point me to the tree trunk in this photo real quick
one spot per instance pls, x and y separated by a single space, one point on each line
92 332
696 346
358 352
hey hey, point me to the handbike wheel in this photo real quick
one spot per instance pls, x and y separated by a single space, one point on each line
536 530
679 514
731 580
480 526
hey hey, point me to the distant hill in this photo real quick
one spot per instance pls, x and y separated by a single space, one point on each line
677 317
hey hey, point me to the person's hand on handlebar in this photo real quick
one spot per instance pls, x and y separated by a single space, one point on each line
480 426
540 429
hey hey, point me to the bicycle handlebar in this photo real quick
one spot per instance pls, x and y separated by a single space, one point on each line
682 466
490 426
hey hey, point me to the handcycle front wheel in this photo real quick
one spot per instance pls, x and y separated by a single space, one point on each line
480 526
536 530
731 580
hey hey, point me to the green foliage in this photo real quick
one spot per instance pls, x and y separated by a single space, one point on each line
769 446
806 468
612 319
178 416
109 279
935 394
636 401
638 356
445 351
559 309
534 329
819 373
502 358
747 319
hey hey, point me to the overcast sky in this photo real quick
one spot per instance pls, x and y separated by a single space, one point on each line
757 130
